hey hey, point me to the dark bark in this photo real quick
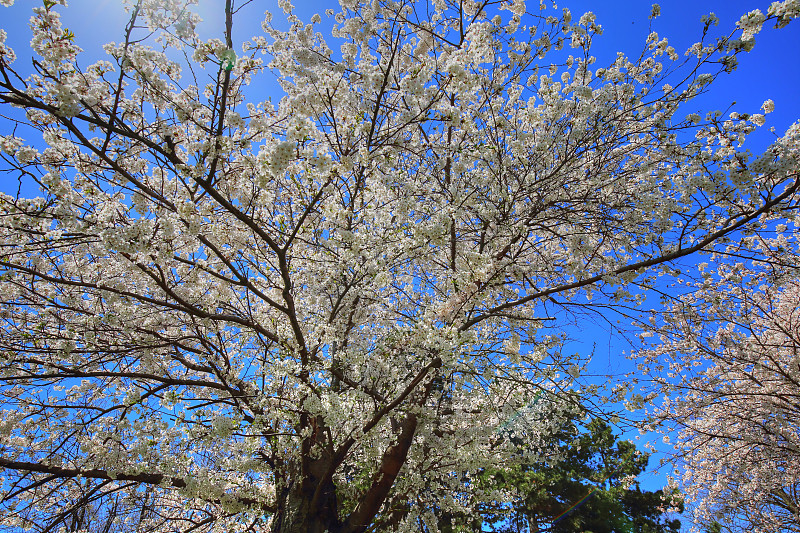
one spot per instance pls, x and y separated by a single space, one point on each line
298 516
393 459
309 504
93 473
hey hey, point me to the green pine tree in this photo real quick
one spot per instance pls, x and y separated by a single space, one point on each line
594 489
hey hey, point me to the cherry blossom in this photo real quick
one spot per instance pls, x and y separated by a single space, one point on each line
726 359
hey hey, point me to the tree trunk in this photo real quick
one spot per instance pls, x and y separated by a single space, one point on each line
296 514
309 504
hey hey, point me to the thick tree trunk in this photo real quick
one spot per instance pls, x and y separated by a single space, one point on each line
309 504
297 516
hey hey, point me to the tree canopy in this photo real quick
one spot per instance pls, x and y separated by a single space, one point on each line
328 312
732 345
593 487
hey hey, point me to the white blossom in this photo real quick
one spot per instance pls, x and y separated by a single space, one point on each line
655 11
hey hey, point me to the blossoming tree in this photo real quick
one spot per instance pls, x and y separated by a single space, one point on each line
224 315
731 355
